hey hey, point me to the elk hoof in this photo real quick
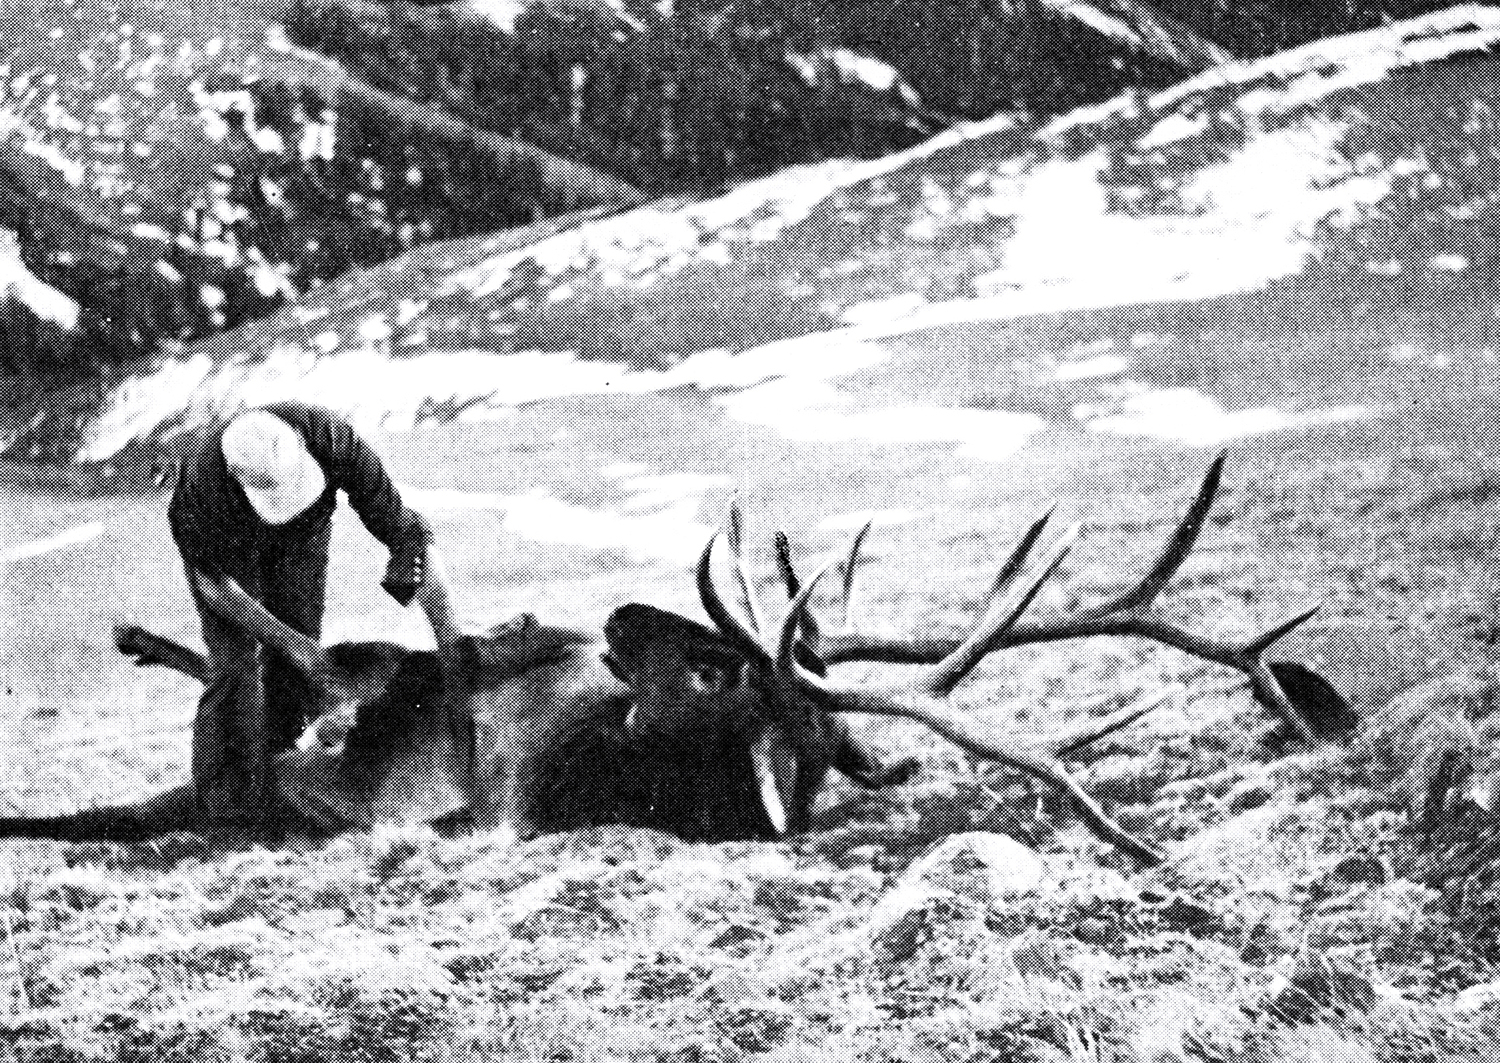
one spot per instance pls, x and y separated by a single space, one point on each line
129 640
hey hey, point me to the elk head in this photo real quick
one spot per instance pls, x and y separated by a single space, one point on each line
732 754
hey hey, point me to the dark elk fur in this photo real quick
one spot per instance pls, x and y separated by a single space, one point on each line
537 735
698 715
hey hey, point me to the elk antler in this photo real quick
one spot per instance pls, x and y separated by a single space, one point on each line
925 701
1000 626
1131 614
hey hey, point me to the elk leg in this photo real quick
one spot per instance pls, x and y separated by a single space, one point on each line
150 649
861 763
175 810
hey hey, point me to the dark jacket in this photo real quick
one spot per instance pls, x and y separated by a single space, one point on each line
217 530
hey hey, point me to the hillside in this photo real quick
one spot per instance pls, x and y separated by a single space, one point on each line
1308 164
172 172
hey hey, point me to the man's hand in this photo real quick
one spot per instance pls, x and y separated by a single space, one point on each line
405 575
455 644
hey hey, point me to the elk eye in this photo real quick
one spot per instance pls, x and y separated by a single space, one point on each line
711 679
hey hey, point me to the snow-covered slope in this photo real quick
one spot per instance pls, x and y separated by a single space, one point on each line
1248 173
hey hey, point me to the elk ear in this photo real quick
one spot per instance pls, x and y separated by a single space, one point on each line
516 645
616 669
516 626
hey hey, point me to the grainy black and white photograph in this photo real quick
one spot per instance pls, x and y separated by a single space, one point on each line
701 531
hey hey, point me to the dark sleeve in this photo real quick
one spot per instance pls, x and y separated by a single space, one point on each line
353 466
201 512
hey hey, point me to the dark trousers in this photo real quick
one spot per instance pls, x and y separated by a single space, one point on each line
253 705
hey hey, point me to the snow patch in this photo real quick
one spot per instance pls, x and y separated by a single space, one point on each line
1189 417
1266 204
653 491
632 245
883 311
61 541
672 534
817 412
618 470
1314 71
19 283
1096 368
140 406
657 520
503 13
1097 20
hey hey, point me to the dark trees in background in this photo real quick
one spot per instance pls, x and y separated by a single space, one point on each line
698 94
692 95
1253 28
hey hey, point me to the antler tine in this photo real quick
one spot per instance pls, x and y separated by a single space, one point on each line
786 634
1060 745
851 563
784 563
1261 643
980 739
999 618
1181 543
1013 564
810 628
718 610
741 572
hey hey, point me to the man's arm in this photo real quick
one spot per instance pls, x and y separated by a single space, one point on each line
352 465
415 569
424 577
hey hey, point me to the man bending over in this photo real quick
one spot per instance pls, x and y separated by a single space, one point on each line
254 506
